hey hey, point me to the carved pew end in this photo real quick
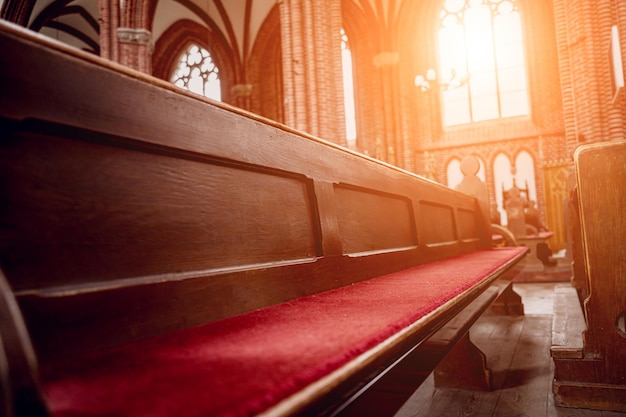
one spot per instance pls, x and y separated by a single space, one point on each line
589 336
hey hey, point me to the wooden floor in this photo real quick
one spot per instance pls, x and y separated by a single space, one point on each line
518 352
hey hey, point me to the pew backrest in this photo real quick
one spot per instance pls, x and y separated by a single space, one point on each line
133 208
135 212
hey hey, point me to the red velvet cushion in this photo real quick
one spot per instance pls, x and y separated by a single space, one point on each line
243 365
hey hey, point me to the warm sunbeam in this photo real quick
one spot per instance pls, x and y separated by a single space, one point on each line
482 40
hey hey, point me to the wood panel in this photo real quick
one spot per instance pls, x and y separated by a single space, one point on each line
370 220
139 209
468 225
100 212
437 223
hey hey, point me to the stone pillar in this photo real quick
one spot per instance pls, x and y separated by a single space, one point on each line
583 32
136 47
109 21
615 114
386 65
16 11
134 36
313 87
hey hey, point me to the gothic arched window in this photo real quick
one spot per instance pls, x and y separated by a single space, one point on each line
198 73
502 174
348 90
525 174
481 54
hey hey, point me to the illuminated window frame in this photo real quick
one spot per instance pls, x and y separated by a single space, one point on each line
483 41
348 90
197 72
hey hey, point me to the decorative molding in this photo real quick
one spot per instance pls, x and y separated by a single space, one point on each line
134 36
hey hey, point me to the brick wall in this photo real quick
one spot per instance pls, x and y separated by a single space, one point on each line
311 57
583 32
294 68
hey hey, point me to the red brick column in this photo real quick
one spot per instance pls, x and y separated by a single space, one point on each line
583 31
109 21
135 43
616 114
386 68
135 46
311 47
17 11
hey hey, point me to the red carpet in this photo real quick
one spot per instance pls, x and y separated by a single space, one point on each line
244 365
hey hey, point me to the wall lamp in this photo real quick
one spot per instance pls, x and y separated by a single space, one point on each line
425 83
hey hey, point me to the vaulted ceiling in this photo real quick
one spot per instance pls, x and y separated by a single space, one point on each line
76 21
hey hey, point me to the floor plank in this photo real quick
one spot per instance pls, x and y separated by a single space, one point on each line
518 353
528 378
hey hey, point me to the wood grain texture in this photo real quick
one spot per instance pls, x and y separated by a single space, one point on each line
498 337
370 220
99 212
144 209
438 223
590 371
601 178
469 225
392 389
568 324
138 210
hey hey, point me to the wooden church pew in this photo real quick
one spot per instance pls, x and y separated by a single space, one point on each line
589 335
166 255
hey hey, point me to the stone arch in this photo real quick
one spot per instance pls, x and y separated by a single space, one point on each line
527 173
453 172
503 181
17 11
137 14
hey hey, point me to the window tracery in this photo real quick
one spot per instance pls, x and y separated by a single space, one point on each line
483 41
198 73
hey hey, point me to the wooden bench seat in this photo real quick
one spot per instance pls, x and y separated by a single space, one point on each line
166 255
261 361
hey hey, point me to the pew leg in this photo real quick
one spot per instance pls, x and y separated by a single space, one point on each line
508 303
465 367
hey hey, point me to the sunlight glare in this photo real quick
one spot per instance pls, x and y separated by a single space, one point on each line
348 91
482 41
196 72
454 6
